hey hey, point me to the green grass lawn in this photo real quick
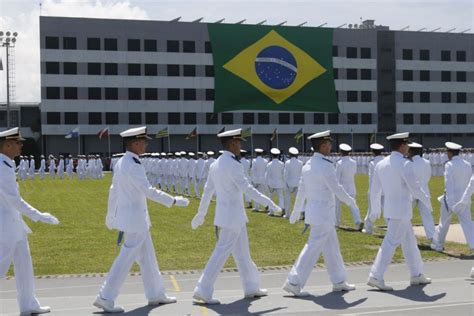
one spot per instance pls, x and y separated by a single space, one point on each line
83 244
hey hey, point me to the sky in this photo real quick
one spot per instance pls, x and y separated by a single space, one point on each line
22 16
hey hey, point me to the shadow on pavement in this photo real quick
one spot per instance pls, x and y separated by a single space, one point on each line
417 294
140 311
240 307
331 300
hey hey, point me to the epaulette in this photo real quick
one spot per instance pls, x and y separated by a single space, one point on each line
136 160
7 164
327 160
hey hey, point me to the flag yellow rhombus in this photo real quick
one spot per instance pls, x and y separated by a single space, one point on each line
243 66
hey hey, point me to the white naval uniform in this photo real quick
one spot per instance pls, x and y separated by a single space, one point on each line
368 225
346 168
199 171
422 170
42 168
316 198
246 164
274 180
14 245
31 171
228 181
128 212
257 171
457 177
60 171
52 168
395 180
292 175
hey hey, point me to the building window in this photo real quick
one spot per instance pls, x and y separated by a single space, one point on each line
366 74
351 74
174 118
424 75
110 44
210 94
461 97
407 96
53 118
263 118
190 118
209 71
111 93
151 70
352 119
298 118
351 52
70 93
134 70
93 43
151 118
407 75
318 118
284 118
365 53
408 119
70 118
207 47
366 96
94 93
445 119
352 96
189 46
333 118
366 118
95 118
446 97
151 94
150 45
445 55
189 94
189 70
69 43
424 119
134 93
134 118
111 69
227 118
173 70
424 54
173 94
424 97
335 73
52 67
211 118
460 55
445 75
133 45
460 76
172 46
407 54
51 42
93 69
461 118
111 118
335 51
248 118
53 93
70 68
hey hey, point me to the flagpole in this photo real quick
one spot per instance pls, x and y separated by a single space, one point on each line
197 139
251 141
78 144
169 142
278 139
108 138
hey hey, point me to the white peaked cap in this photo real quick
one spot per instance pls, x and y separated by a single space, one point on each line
324 135
293 151
210 153
258 150
415 145
404 136
376 146
235 133
137 132
345 147
275 151
13 134
452 146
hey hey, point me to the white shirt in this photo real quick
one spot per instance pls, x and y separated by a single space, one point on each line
274 174
292 172
346 169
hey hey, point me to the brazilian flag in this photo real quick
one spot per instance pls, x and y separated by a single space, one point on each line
272 68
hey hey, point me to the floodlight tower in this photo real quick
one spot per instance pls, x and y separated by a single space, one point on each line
8 40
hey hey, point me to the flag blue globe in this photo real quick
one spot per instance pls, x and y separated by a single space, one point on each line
276 67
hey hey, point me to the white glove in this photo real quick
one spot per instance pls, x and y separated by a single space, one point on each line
48 219
181 201
294 217
197 221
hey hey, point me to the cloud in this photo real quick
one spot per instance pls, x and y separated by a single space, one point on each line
27 51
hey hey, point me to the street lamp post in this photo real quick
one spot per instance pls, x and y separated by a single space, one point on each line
8 40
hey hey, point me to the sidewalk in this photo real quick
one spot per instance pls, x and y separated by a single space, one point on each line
455 233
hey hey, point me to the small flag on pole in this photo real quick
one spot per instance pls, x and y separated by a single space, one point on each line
299 135
247 132
274 135
103 133
193 134
222 130
73 134
162 133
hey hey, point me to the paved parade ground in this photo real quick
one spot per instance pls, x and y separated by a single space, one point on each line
452 292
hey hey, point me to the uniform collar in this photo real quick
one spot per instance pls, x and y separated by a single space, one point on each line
6 158
456 157
228 153
129 153
396 153
319 155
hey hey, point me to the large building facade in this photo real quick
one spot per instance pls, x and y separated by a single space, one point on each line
125 73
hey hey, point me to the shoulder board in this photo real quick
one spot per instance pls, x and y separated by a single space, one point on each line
325 159
7 164
136 160
236 159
